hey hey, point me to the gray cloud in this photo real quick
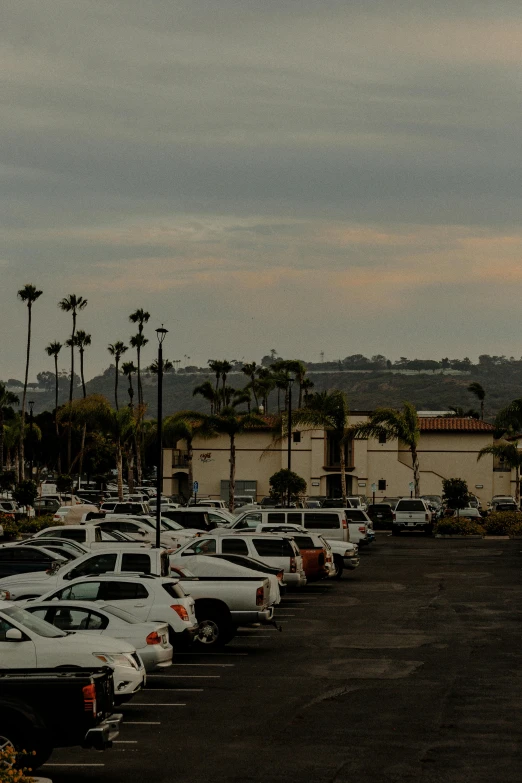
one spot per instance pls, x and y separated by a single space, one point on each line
313 175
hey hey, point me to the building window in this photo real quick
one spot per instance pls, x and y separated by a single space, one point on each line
333 451
382 437
296 437
382 485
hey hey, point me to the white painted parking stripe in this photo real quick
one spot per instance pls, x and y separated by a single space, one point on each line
221 665
142 723
125 742
187 676
156 704
285 615
179 690
221 654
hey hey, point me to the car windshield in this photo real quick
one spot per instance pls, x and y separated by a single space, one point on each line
33 623
168 524
121 614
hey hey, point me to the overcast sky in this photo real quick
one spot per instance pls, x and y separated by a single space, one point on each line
334 175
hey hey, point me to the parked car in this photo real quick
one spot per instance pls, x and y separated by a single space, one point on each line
469 513
27 642
43 709
45 505
119 509
22 559
32 585
143 529
278 551
381 515
73 547
214 567
92 536
150 639
329 523
256 565
317 556
194 518
412 514
148 598
208 502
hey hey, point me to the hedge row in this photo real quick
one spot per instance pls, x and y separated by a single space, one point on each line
13 529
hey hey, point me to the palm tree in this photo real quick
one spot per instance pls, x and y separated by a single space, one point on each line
53 349
82 341
250 371
227 422
72 304
28 294
128 368
167 366
305 387
328 410
117 350
457 410
181 426
138 342
476 389
208 392
511 455
226 366
139 317
395 425
7 400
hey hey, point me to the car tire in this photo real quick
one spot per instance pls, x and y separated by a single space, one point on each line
396 530
339 567
23 739
215 628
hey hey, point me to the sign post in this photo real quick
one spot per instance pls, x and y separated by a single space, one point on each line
412 487
195 487
374 487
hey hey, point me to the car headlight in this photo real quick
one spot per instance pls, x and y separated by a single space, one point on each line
117 659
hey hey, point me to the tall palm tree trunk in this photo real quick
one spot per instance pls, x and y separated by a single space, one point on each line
232 479
71 388
21 452
130 469
415 463
116 383
140 390
1 440
517 484
119 468
342 463
190 465
56 412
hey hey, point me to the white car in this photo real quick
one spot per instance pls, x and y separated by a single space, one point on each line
151 640
27 642
278 551
148 598
214 567
144 529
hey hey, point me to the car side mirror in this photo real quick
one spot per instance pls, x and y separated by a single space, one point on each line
14 635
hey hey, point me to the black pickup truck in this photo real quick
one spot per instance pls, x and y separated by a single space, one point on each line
44 709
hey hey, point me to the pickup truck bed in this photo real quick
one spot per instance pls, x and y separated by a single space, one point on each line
46 709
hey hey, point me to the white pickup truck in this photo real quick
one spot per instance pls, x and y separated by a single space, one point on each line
412 514
91 536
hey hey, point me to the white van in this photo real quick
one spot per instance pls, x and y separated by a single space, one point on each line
329 523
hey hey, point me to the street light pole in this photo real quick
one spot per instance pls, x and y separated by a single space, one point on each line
161 334
31 420
290 382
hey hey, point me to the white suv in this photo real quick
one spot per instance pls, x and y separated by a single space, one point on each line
148 598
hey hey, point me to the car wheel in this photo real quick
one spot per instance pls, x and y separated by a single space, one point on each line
215 629
23 740
396 530
339 567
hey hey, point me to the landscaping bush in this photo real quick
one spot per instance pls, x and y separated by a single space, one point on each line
458 526
35 524
11 770
502 523
10 527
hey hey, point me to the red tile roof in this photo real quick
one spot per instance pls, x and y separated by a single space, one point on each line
453 424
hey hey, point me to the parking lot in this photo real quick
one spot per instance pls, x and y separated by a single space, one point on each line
408 669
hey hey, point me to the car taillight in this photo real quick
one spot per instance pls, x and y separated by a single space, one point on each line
394 516
362 529
280 576
181 611
260 596
345 523
293 565
89 699
153 638
426 517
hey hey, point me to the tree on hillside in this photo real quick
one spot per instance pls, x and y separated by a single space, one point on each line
28 295
476 389
128 369
510 455
117 350
395 425
209 393
328 410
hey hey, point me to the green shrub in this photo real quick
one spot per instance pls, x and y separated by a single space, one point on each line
516 529
458 526
501 523
11 528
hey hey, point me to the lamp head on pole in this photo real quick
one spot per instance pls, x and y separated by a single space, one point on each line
31 405
161 334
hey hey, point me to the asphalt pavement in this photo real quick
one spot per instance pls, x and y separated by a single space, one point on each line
408 669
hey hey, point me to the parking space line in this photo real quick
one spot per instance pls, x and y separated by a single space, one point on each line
156 704
125 742
214 653
221 665
55 764
142 722
178 690
285 615
187 676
